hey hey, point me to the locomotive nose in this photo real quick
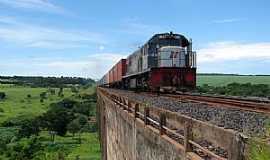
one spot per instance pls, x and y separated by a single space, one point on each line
171 56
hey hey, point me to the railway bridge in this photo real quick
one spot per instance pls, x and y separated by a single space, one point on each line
132 130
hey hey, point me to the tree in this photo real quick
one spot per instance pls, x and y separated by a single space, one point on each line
30 127
74 127
57 119
29 96
82 108
66 103
60 93
77 125
82 119
74 90
2 95
26 125
43 95
51 91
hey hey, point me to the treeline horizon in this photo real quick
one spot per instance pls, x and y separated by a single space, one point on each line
39 81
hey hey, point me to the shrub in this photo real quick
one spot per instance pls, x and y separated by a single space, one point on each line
24 149
7 134
74 89
258 150
51 91
27 125
17 121
2 95
43 95
74 127
237 89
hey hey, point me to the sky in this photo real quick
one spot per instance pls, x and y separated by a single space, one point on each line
86 37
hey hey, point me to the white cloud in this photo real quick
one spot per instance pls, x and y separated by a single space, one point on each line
39 5
231 20
94 66
229 51
27 35
101 48
223 57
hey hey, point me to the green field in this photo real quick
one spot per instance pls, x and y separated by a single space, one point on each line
87 150
222 80
17 103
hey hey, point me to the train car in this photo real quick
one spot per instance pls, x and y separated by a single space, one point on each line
165 62
104 81
116 74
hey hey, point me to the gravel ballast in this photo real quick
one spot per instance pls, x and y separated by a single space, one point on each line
247 122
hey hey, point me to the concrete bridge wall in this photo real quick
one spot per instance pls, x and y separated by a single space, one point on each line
124 137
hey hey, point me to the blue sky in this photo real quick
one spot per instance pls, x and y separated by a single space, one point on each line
85 38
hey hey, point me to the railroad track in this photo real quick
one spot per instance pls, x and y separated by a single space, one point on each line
253 105
246 117
259 106
248 105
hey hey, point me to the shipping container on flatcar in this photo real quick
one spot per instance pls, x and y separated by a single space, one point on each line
104 81
121 69
110 76
116 74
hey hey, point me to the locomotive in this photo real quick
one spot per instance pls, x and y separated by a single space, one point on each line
165 62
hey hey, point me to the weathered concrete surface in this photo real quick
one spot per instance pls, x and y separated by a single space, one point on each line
124 137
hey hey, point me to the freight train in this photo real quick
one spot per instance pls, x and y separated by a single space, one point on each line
165 62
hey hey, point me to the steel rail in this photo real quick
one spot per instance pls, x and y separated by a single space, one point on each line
247 105
234 103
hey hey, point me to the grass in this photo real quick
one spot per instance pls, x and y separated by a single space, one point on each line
16 102
88 150
222 80
89 90
258 150
259 147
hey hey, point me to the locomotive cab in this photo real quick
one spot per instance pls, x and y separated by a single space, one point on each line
175 68
171 56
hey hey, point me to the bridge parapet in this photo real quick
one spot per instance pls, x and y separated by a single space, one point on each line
133 130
